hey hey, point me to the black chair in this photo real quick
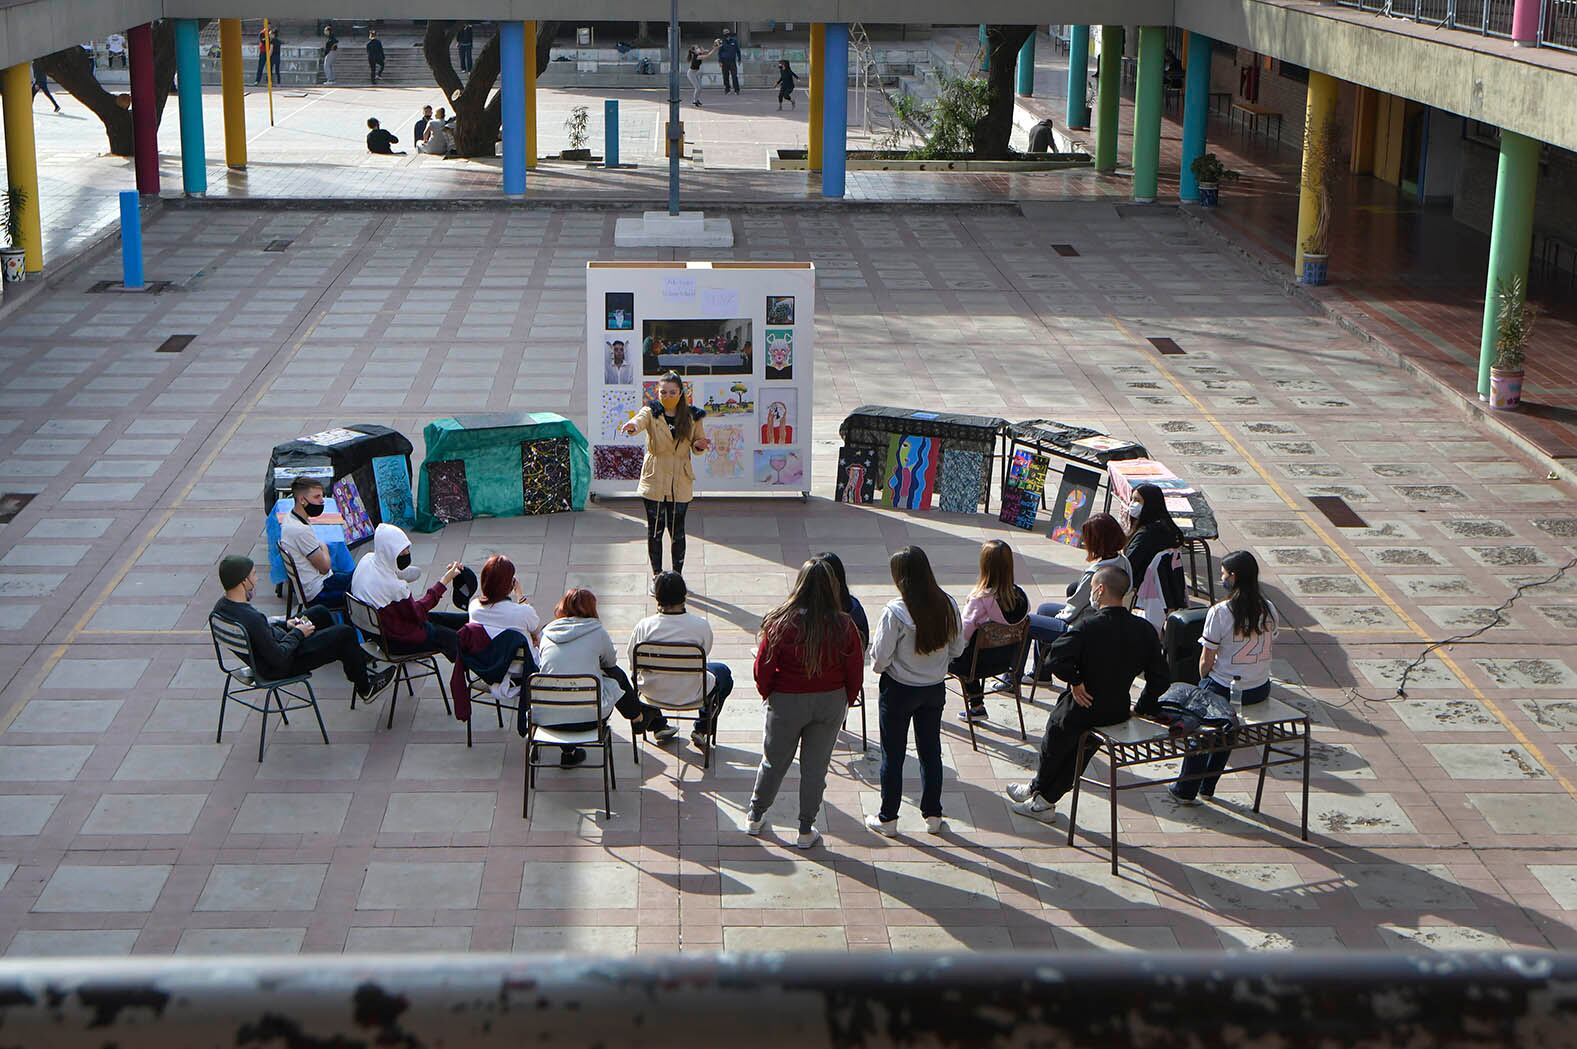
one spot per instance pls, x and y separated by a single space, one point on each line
365 619
859 704
572 704
675 659
229 637
295 593
481 692
998 648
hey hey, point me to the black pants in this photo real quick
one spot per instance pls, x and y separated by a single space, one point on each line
42 84
442 636
669 515
375 68
901 705
730 77
1059 747
465 57
330 643
273 60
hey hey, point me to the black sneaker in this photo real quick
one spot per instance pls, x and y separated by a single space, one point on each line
375 683
571 757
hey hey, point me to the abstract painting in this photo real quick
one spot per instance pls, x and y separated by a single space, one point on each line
618 407
544 476
447 490
780 353
780 309
1019 506
779 466
857 469
725 459
960 481
1027 470
778 410
729 397
1075 500
909 476
347 499
393 481
611 462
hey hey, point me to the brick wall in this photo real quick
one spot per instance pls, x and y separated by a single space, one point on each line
1287 95
1555 206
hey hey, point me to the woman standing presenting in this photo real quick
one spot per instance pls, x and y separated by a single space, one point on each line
673 431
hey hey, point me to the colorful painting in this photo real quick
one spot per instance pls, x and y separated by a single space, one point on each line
611 462
778 411
909 477
620 308
1075 500
780 309
1019 506
960 479
1027 470
721 399
347 499
447 490
649 391
857 470
780 353
618 408
779 466
725 459
393 480
544 476
697 347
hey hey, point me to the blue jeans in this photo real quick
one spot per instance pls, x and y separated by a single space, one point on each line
722 685
1214 762
335 586
899 705
1044 628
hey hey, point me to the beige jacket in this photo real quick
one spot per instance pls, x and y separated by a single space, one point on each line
666 473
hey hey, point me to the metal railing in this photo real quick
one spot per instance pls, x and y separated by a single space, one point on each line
1166 1000
1557 18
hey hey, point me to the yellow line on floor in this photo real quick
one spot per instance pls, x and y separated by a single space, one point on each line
1368 580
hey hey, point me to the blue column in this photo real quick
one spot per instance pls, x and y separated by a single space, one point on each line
835 112
1196 112
1026 66
610 133
1079 77
512 104
130 240
189 79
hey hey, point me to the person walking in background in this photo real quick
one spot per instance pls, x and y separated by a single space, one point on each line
809 669
41 83
115 48
374 55
786 79
267 52
330 54
728 57
463 43
93 55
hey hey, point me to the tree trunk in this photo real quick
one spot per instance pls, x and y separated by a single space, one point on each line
478 116
995 128
72 69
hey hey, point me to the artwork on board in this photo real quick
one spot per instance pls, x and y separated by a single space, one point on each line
725 458
1027 470
1019 506
545 476
393 481
779 467
618 364
728 397
620 309
857 470
959 482
1075 500
611 462
447 490
347 499
780 309
697 347
649 392
778 410
780 353
617 408
909 475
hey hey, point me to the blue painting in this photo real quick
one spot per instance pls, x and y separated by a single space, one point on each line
394 490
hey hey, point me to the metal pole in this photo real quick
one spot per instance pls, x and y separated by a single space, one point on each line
673 108
130 241
268 67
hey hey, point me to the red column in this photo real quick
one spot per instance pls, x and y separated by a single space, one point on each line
144 115
1525 22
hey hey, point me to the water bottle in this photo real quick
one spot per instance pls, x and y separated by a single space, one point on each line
1237 697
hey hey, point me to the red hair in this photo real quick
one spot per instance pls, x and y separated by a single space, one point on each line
577 602
1102 537
498 578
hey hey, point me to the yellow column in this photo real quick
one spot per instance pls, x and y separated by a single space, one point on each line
1321 105
531 95
818 65
21 158
233 88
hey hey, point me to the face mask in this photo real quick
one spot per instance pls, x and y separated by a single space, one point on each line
410 575
403 561
1134 509
251 588
314 509
670 401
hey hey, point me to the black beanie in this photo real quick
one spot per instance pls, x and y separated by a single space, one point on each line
233 568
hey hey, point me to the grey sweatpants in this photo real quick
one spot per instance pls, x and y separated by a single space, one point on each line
808 722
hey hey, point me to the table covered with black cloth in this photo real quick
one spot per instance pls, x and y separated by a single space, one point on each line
344 456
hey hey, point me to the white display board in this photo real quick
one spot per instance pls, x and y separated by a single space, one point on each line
743 336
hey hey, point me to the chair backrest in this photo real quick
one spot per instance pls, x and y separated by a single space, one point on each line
230 639
292 574
566 699
672 660
364 617
994 641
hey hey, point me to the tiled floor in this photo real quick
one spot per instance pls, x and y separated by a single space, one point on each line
1445 819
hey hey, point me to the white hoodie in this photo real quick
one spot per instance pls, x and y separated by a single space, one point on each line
892 647
378 579
574 645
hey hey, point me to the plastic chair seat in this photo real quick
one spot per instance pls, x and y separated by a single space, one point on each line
567 736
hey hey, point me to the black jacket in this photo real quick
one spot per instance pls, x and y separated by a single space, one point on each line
1144 547
273 646
1105 652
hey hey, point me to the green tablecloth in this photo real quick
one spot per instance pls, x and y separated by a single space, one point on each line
489 445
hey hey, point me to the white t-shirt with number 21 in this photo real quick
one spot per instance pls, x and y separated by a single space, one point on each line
1247 658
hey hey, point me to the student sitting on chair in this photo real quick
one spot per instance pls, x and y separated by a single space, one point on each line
674 625
995 599
320 584
383 580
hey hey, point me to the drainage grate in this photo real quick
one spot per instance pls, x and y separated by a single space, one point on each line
175 344
11 504
1067 251
1167 347
1335 508
277 245
152 287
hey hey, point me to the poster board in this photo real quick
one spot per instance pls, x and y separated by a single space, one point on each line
743 336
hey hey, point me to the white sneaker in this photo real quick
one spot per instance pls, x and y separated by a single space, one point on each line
1020 791
807 838
651 587
667 732
886 828
1036 808
935 824
753 828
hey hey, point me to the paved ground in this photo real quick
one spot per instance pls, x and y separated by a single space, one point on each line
1443 820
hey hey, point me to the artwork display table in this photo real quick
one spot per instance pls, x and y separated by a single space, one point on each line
501 465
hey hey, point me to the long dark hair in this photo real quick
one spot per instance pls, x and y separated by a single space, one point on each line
836 564
1152 503
813 610
935 618
1251 614
684 414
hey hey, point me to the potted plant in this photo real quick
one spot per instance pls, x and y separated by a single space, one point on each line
1319 168
1513 325
576 125
12 259
1209 173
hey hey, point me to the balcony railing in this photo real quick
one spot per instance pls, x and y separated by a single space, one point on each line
1557 18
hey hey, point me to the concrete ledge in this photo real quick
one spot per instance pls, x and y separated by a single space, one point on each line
688 229
621 204
856 163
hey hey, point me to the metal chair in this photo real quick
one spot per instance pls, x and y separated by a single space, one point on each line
230 637
994 641
365 619
519 667
566 711
295 593
675 659
859 704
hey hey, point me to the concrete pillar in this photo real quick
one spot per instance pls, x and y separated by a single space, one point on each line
1196 113
189 88
1148 100
21 158
1510 236
835 119
512 104
1108 90
1078 77
1026 66
232 79
530 45
1525 22
1321 104
144 116
818 91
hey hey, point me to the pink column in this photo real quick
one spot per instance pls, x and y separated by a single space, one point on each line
144 115
1525 22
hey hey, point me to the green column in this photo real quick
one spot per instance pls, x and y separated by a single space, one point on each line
1511 236
1147 113
1108 88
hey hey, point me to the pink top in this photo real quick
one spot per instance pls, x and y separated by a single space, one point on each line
983 608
